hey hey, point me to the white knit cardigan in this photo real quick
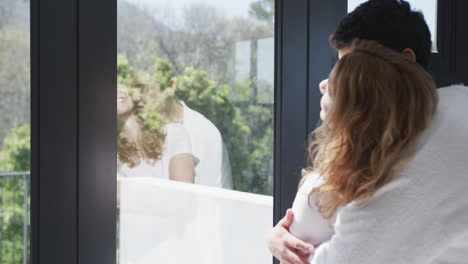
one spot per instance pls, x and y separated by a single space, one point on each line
419 217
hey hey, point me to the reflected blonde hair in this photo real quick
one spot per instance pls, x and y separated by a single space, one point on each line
381 103
152 141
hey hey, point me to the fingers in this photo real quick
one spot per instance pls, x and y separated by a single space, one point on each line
290 257
283 220
295 243
286 221
289 218
285 246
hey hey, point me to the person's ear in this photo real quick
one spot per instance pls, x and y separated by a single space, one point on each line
409 54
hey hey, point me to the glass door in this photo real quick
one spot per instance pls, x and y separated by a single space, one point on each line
195 104
220 90
15 132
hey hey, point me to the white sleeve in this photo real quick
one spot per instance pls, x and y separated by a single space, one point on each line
394 226
177 141
308 224
358 239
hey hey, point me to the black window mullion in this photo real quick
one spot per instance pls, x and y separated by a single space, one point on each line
449 65
54 131
97 31
324 17
290 100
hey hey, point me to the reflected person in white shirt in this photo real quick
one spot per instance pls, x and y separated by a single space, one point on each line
213 167
160 150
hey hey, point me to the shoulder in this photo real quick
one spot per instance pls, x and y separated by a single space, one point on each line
309 225
309 182
195 121
175 130
453 89
453 97
177 141
177 137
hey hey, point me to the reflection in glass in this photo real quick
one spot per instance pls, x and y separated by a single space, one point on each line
151 142
14 132
195 105
217 64
427 7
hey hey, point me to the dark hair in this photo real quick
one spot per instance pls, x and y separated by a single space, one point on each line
392 23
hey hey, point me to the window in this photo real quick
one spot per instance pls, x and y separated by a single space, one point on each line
195 130
14 131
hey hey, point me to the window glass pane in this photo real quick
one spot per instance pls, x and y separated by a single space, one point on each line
195 125
427 7
14 131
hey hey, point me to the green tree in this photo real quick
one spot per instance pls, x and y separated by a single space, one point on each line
16 152
263 10
137 35
246 128
14 157
199 51
211 100
14 79
14 109
247 131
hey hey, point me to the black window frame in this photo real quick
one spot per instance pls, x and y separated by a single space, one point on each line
73 183
447 65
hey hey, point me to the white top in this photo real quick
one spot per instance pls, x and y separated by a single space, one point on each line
419 217
308 224
214 168
177 142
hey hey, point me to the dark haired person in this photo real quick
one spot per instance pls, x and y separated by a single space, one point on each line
390 160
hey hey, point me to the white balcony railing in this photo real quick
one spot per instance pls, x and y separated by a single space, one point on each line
171 222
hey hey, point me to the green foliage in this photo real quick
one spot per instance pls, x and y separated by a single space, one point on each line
14 79
11 219
129 76
211 100
14 110
246 126
247 131
263 10
15 156
198 58
137 35
163 73
124 73
16 152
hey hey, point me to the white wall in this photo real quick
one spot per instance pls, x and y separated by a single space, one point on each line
173 223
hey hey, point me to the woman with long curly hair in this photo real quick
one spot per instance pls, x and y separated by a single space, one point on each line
149 143
375 178
382 103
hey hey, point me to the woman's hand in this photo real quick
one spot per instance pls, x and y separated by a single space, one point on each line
284 246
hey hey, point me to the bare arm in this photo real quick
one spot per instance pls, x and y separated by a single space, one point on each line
182 168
